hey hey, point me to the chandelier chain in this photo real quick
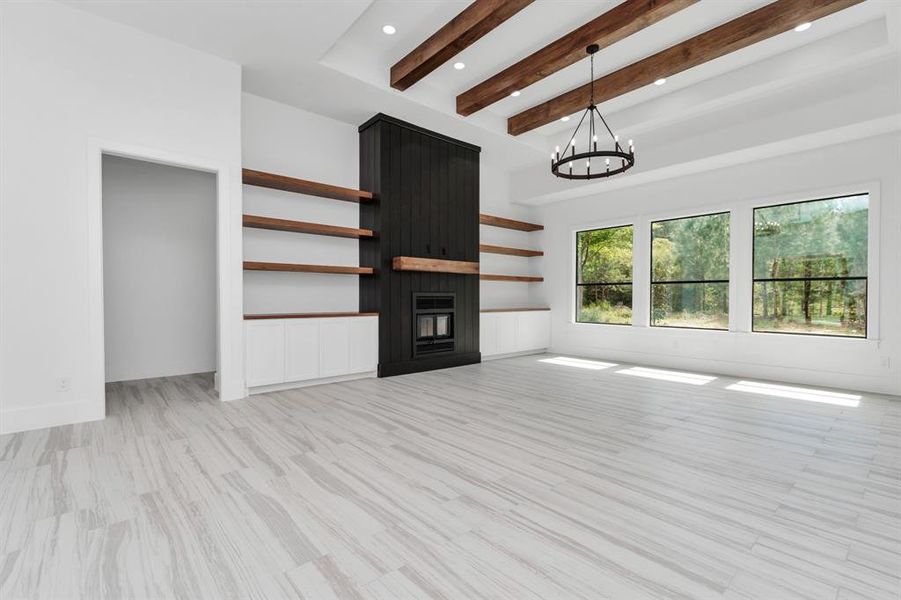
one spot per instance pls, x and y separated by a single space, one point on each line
592 79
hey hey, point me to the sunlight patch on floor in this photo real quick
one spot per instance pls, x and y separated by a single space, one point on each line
676 376
796 393
579 363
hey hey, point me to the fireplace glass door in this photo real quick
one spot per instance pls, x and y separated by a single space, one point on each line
442 326
432 327
425 327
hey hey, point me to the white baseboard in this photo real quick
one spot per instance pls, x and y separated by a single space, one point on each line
279 387
230 389
513 354
50 415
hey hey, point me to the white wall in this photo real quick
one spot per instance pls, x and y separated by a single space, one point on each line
159 270
74 84
495 200
282 139
871 365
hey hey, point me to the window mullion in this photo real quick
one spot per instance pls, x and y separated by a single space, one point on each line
641 273
741 270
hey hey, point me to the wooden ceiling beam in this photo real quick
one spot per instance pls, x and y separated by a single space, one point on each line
472 23
612 26
756 26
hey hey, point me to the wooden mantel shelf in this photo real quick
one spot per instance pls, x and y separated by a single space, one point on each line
301 268
258 222
434 265
302 186
313 315
508 223
520 278
507 250
521 309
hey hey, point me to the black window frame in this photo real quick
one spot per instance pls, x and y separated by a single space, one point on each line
631 283
864 278
653 283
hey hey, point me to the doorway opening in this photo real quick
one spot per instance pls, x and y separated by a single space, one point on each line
159 273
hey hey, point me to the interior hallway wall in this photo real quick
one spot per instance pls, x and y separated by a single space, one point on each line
73 84
159 270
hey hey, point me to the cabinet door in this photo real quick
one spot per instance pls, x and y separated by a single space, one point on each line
532 330
364 344
488 333
334 347
506 333
301 349
265 352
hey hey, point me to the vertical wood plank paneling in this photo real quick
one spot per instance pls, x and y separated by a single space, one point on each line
444 199
393 208
472 216
427 205
408 187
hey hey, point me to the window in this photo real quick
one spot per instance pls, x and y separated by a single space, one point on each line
810 267
690 272
604 276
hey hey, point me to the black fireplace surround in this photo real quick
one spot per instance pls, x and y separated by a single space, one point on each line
426 205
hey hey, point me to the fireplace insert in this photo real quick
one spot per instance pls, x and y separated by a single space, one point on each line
433 323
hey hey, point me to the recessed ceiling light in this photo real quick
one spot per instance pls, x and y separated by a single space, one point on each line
388 29
802 27
564 119
660 81
459 66
515 93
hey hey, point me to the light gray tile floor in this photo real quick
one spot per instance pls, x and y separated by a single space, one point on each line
516 479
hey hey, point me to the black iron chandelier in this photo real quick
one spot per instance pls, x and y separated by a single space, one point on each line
562 164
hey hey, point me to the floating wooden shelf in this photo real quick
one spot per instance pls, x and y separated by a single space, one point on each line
304 227
313 315
521 278
302 186
508 223
301 268
511 251
500 310
434 265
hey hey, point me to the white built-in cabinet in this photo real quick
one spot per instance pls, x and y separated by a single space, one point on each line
280 351
514 331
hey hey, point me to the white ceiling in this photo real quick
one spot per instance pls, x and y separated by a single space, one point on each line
331 57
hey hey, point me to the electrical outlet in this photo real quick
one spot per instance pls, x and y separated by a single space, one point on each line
62 384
